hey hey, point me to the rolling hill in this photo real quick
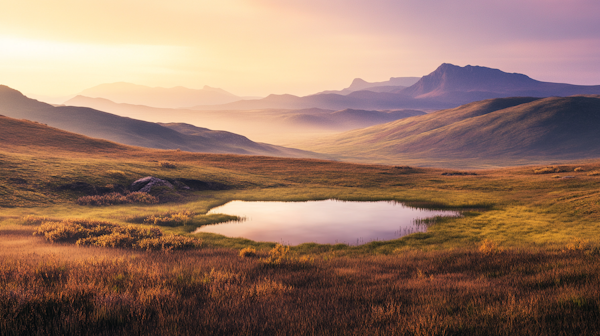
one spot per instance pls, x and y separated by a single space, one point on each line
268 125
501 130
176 97
18 134
97 124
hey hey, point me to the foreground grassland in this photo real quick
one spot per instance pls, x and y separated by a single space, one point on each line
523 259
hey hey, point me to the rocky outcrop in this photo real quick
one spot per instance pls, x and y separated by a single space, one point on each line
147 183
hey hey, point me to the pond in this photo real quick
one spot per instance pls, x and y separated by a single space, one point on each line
323 222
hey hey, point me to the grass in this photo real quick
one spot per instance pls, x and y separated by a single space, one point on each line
105 234
523 259
478 291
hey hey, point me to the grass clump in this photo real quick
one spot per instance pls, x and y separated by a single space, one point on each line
489 247
278 255
248 252
104 234
546 170
167 164
116 198
594 173
35 220
170 218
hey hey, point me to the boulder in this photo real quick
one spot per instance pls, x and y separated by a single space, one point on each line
147 183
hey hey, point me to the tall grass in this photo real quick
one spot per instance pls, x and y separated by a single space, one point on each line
215 292
117 198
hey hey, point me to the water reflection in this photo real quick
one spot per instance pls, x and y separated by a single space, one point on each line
323 222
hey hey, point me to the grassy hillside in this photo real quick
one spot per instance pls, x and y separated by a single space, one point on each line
502 131
132 132
523 258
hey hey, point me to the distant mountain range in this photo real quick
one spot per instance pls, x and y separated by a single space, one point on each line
97 124
176 97
390 85
448 86
461 85
501 130
270 125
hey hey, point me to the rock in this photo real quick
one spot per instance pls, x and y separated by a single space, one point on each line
147 183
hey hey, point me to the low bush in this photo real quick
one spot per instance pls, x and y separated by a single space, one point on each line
594 173
545 170
278 255
104 234
167 164
248 252
170 219
116 198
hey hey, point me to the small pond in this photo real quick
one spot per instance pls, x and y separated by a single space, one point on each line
323 222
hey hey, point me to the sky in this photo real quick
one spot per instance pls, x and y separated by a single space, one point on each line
261 47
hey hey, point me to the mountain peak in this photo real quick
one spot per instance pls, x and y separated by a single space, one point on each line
449 77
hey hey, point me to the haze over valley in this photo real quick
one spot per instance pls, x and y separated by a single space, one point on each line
481 125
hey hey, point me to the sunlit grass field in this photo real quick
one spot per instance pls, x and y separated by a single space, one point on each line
523 258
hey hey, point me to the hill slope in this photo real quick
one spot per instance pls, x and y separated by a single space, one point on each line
269 125
175 97
133 132
15 133
497 129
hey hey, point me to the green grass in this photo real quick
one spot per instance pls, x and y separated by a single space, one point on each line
537 272
512 206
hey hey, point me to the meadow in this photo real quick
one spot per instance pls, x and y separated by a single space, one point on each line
523 258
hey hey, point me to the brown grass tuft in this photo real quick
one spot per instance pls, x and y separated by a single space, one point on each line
248 252
167 164
116 198
104 234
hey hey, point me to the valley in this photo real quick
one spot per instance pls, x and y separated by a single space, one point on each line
106 211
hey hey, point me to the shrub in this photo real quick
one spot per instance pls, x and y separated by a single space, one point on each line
116 198
578 169
545 170
170 219
489 247
594 173
169 243
578 245
104 234
278 255
167 164
248 252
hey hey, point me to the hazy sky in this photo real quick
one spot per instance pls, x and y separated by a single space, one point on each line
257 47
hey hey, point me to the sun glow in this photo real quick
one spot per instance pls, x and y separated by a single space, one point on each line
91 61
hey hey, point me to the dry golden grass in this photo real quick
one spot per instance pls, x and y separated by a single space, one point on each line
104 234
117 198
215 292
